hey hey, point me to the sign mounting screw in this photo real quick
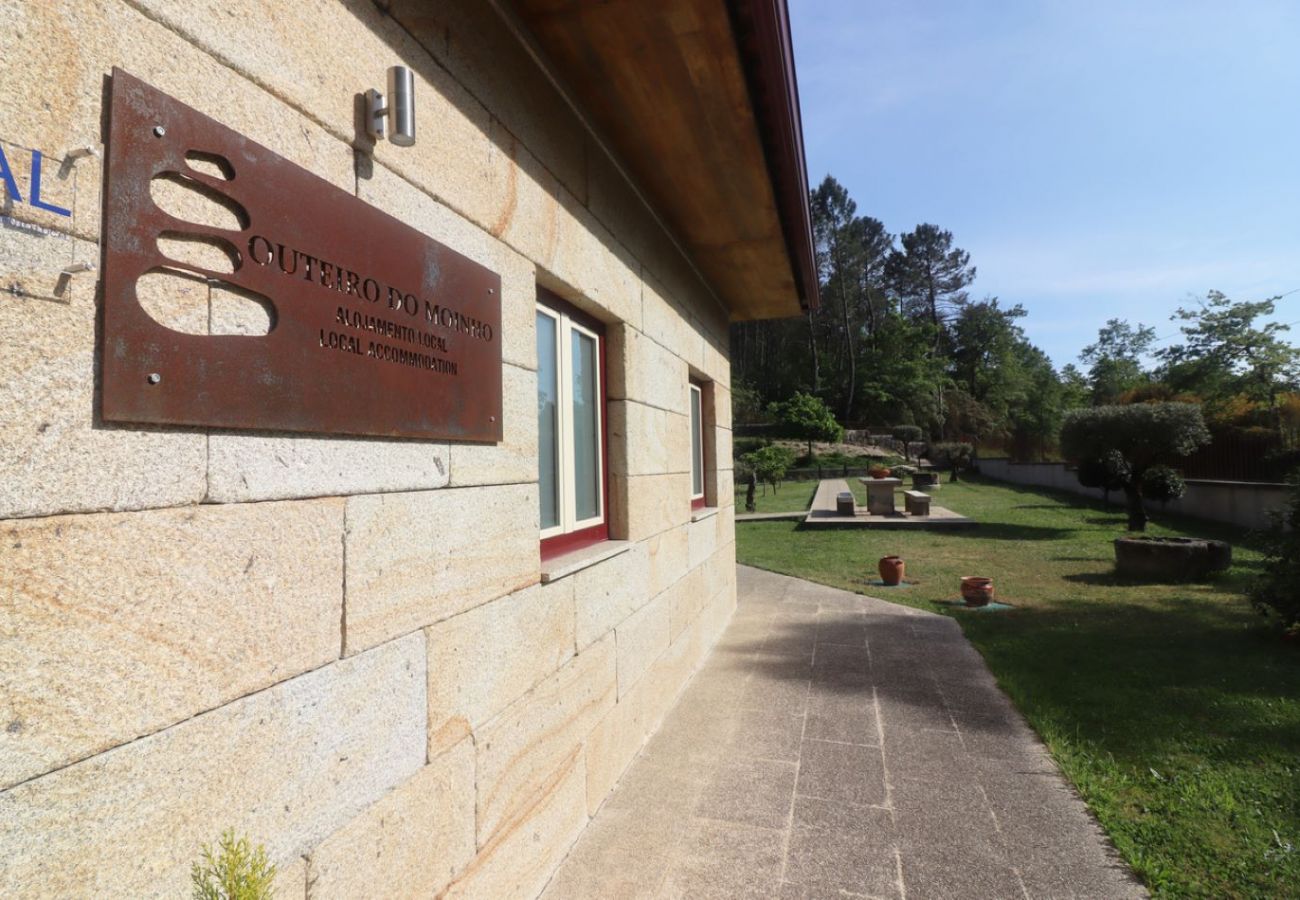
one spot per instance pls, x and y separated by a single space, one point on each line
159 131
154 378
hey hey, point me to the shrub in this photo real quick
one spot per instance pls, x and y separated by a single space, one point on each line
1276 594
1162 484
236 871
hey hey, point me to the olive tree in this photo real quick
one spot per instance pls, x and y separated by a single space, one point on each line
1145 435
951 455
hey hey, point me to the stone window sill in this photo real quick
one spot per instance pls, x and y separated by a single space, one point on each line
704 512
565 564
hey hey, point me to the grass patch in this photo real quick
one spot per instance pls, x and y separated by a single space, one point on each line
793 496
1174 711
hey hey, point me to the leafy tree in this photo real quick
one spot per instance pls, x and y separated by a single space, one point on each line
1115 360
984 341
929 274
746 403
850 251
964 415
808 418
1037 405
1075 391
1226 352
768 464
901 377
1145 434
834 245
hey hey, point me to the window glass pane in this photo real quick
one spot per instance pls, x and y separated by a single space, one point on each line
548 431
586 438
697 445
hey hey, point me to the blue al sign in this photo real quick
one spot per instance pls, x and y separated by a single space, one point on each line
34 169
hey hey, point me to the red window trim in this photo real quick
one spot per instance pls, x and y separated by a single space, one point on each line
593 534
702 501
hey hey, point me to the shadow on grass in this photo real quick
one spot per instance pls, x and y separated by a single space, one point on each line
1118 519
1007 531
1223 581
1139 680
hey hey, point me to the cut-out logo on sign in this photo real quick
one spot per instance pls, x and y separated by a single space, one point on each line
323 314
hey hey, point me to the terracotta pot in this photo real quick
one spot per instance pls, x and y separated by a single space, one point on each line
878 473
976 590
891 570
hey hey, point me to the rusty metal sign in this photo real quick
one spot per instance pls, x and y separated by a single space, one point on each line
376 328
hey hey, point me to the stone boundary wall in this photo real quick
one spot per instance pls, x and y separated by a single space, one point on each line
1242 503
340 647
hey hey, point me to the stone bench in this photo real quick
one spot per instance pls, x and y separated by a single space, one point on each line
845 504
917 503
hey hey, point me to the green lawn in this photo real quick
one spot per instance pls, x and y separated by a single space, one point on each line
1175 712
793 496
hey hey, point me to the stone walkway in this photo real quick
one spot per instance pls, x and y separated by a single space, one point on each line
839 746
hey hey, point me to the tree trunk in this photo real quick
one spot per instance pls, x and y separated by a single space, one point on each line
1137 514
749 492
812 345
848 328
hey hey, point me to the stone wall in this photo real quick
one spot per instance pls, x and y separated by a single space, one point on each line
342 648
1243 503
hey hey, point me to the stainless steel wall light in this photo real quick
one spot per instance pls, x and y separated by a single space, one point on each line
397 107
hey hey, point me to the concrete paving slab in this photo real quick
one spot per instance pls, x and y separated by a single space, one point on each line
836 745
823 513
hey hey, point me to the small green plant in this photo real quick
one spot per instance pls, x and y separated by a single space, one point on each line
236 871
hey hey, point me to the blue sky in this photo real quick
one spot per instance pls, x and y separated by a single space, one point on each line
1098 159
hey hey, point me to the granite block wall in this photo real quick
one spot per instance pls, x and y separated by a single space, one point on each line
342 647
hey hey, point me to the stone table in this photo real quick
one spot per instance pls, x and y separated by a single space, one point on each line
880 495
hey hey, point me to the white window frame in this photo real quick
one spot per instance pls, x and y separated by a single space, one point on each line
565 327
696 401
